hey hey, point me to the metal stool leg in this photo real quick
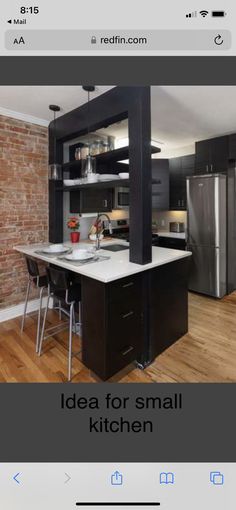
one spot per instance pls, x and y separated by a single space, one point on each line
26 303
80 318
43 326
59 310
70 341
39 318
74 321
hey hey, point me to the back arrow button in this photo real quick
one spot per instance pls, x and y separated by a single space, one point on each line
15 478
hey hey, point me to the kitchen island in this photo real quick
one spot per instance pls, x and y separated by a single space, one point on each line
130 312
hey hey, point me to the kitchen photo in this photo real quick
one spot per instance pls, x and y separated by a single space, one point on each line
117 234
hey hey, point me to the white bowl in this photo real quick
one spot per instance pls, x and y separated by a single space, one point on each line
55 248
68 182
80 254
92 178
124 175
93 237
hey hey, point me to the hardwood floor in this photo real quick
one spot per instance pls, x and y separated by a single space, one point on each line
206 354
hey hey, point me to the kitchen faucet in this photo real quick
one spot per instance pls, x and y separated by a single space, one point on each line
97 233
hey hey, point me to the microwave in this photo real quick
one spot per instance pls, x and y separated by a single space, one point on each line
121 200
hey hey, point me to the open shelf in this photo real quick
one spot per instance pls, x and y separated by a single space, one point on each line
98 185
106 157
123 183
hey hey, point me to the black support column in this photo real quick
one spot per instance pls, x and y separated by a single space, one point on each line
140 177
132 103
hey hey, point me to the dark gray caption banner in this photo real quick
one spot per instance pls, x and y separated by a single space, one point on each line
34 427
117 70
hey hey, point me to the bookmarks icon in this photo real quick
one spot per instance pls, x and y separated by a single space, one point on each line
167 478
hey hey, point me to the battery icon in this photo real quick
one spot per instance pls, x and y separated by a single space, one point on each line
218 14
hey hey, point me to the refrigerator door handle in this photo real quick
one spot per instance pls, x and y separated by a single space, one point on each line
217 282
217 211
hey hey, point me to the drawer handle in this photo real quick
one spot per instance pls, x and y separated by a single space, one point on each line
127 285
126 315
129 349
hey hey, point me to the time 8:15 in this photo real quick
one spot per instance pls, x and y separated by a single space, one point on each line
29 10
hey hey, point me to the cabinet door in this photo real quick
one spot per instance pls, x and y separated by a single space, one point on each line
176 184
203 156
75 206
168 311
172 242
174 168
232 146
219 154
160 190
91 200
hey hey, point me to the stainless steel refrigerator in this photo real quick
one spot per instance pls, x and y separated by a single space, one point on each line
206 233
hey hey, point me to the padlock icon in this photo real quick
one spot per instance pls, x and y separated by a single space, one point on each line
93 40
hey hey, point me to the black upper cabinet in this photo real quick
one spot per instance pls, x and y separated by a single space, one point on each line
91 200
180 168
160 190
212 155
232 146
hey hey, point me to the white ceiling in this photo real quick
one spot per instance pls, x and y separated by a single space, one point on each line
180 115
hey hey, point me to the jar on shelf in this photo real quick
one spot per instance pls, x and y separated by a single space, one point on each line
106 147
78 153
88 167
96 148
84 151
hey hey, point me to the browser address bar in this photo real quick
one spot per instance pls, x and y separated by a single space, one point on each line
100 40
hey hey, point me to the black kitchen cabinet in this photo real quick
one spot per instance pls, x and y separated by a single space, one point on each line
212 155
113 324
232 146
133 318
175 243
179 169
168 308
160 190
91 200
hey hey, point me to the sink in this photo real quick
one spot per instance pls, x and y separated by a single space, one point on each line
115 247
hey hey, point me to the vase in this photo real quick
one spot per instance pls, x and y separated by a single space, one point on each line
74 237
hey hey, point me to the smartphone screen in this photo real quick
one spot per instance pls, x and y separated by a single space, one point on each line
117 255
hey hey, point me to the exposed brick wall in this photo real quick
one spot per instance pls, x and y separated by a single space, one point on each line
23 201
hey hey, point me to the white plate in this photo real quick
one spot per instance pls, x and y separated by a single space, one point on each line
109 177
68 182
124 175
55 248
80 255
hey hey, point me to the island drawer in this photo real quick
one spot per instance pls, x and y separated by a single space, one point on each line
125 340
125 289
125 336
120 357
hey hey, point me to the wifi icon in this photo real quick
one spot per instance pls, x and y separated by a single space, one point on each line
204 13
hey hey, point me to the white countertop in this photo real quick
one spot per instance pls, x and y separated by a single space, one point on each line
173 235
118 266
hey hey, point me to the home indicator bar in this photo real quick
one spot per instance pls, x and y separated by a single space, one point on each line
118 504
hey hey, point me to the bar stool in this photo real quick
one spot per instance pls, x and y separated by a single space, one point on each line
41 282
61 287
